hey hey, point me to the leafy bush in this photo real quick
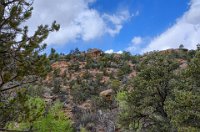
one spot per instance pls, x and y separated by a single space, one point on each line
115 85
54 121
74 66
42 120
57 84
36 90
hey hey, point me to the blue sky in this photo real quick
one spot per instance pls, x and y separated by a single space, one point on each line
136 26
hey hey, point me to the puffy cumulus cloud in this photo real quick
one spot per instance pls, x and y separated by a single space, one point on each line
77 19
111 51
185 31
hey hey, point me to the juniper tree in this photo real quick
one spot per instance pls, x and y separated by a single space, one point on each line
144 105
162 97
183 106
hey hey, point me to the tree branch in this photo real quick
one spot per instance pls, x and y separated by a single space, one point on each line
17 85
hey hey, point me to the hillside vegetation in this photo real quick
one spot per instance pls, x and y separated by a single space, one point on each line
91 91
157 91
95 91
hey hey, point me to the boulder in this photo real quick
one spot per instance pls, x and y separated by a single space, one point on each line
107 94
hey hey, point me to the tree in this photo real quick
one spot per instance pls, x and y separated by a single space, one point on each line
20 58
181 46
76 51
21 61
198 47
126 55
57 84
183 106
144 107
53 55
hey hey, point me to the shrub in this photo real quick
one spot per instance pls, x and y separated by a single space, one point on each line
54 121
56 84
41 120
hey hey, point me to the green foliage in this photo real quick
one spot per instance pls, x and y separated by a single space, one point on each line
74 66
83 89
101 103
12 106
75 52
57 80
146 101
56 73
193 70
181 46
57 84
183 105
83 129
79 94
53 56
162 98
54 121
21 61
34 109
183 109
125 68
21 58
40 120
135 59
36 90
126 55
115 85
198 47
121 98
105 60
86 75
191 54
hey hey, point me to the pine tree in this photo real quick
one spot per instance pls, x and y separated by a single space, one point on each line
21 61
20 58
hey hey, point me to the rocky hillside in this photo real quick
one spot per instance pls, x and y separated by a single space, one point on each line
87 83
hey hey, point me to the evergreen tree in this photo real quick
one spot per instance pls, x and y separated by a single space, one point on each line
183 106
144 107
21 61
20 58
53 56
181 46
198 47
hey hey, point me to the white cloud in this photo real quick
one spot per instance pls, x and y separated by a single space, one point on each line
119 52
77 19
185 31
136 43
111 51
137 40
116 21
